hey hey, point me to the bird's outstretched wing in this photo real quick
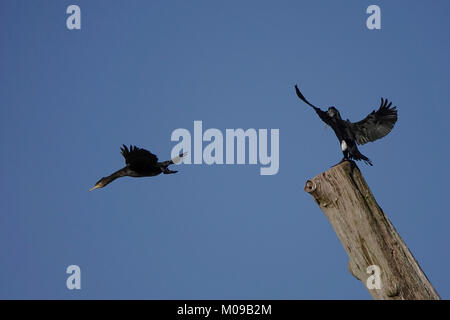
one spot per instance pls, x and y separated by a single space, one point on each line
377 124
322 114
137 156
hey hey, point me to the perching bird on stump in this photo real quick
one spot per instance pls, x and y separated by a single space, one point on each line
139 163
373 127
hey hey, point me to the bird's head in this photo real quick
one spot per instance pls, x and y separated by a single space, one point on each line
333 112
100 184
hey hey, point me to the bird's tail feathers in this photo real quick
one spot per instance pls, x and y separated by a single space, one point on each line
359 156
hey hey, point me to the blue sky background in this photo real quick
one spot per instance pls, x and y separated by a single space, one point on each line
140 69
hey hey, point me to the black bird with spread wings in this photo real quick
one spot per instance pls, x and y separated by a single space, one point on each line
139 163
373 127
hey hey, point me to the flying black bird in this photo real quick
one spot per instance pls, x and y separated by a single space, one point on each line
139 163
375 126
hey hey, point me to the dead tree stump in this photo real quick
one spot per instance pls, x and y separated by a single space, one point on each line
368 237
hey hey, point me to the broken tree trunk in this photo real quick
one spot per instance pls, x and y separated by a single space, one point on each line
368 236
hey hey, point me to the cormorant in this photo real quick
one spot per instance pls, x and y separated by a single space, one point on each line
375 126
139 163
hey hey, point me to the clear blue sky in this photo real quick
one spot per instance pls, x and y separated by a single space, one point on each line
137 70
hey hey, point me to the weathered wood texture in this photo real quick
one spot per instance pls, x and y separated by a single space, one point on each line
367 234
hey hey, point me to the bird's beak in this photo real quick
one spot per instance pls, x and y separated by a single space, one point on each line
95 187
